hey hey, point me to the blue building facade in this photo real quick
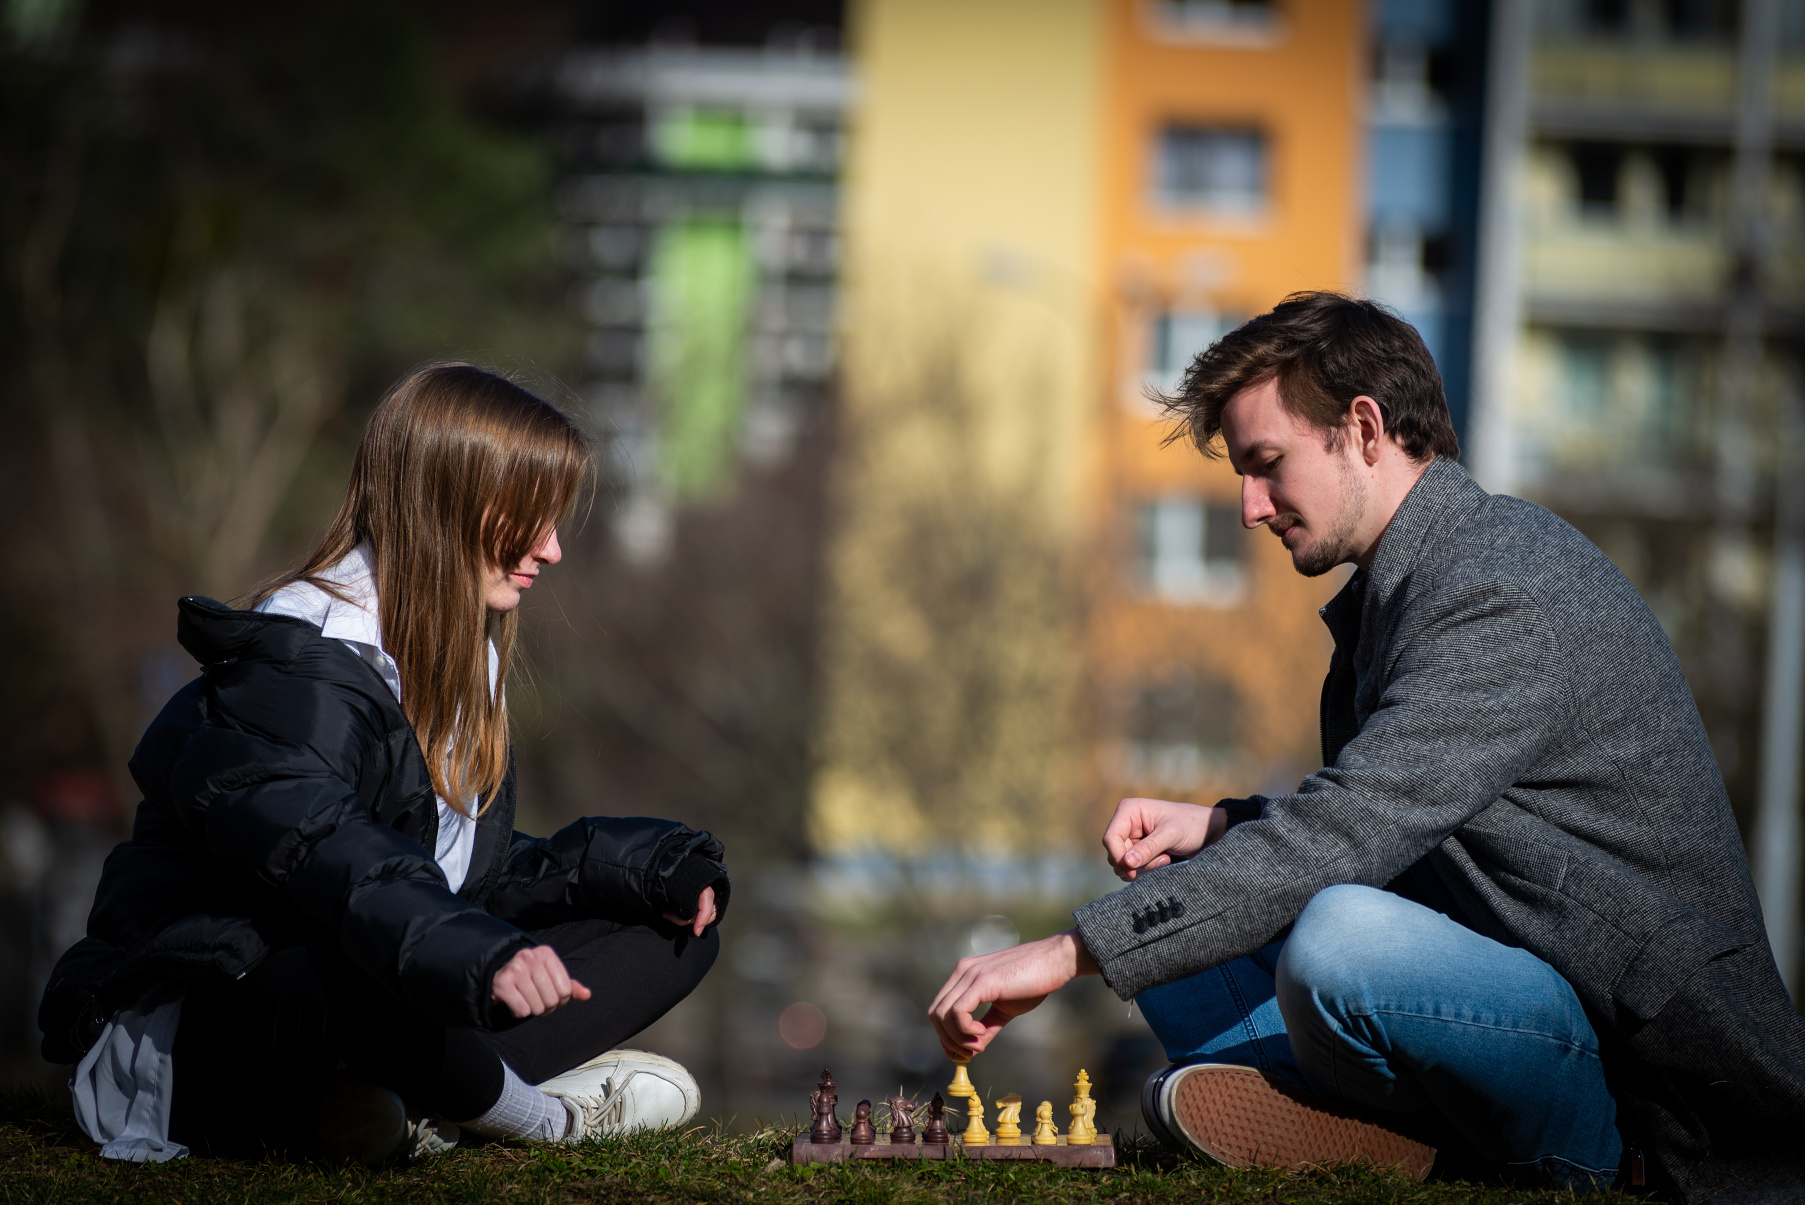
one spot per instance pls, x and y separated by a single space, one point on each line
1424 123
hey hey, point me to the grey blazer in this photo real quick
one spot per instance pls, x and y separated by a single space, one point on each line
1506 729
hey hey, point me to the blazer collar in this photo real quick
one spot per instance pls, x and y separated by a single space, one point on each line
1442 497
1439 501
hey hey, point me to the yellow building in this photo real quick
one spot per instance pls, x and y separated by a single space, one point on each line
1032 608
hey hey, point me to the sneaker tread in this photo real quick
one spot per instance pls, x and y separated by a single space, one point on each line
1245 1118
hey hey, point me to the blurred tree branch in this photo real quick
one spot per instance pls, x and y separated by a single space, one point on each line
954 655
220 225
241 378
88 546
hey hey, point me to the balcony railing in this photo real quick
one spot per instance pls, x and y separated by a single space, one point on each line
1654 91
1609 264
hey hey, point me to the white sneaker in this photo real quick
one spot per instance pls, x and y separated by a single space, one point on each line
428 1136
625 1090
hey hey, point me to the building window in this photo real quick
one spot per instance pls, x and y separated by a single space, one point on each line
1596 168
1670 20
1192 552
1620 403
1222 171
1173 340
1181 733
1214 17
1586 375
704 139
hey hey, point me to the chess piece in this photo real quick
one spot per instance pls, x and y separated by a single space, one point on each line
1083 1109
824 1127
975 1133
862 1133
961 1085
1009 1120
1045 1132
902 1121
935 1132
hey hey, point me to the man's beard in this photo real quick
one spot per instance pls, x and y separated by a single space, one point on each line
1337 544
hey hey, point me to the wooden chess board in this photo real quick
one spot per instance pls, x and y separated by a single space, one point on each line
1103 1154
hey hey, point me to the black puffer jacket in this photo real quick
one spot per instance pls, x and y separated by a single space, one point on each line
285 794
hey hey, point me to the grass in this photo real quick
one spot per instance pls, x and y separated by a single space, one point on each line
43 1158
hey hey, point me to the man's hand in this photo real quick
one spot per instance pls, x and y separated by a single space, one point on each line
534 982
705 913
1011 981
1146 834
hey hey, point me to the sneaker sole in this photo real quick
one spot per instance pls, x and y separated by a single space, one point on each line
1244 1118
1152 1094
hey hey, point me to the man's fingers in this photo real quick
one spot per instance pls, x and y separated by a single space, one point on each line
578 991
968 1033
955 988
1142 854
954 1047
1124 828
952 1039
951 1011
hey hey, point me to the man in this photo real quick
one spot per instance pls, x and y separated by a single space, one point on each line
1513 904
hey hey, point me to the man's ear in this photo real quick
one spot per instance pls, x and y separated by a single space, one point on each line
1368 422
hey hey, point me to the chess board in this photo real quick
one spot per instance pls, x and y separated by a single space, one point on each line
1102 1154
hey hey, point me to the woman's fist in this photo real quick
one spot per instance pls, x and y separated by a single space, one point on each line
534 982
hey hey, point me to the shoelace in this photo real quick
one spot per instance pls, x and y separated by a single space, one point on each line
601 1116
429 1136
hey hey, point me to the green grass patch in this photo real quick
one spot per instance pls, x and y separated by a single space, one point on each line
43 1158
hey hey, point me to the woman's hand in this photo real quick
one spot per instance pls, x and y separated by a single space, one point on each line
705 913
534 982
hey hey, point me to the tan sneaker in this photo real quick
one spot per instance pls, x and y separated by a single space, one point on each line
1245 1118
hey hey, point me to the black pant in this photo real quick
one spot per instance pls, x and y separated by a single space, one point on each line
253 1056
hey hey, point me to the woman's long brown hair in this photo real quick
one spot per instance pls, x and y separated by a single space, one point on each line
458 470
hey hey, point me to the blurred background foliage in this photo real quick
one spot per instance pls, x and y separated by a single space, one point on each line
222 240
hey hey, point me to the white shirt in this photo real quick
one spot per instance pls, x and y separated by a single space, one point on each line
358 626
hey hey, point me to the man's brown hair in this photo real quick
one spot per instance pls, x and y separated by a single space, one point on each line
1325 349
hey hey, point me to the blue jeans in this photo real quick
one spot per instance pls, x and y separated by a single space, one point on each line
1383 1003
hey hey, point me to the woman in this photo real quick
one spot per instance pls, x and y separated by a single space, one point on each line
324 935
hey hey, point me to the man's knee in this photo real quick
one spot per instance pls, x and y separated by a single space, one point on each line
1345 938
